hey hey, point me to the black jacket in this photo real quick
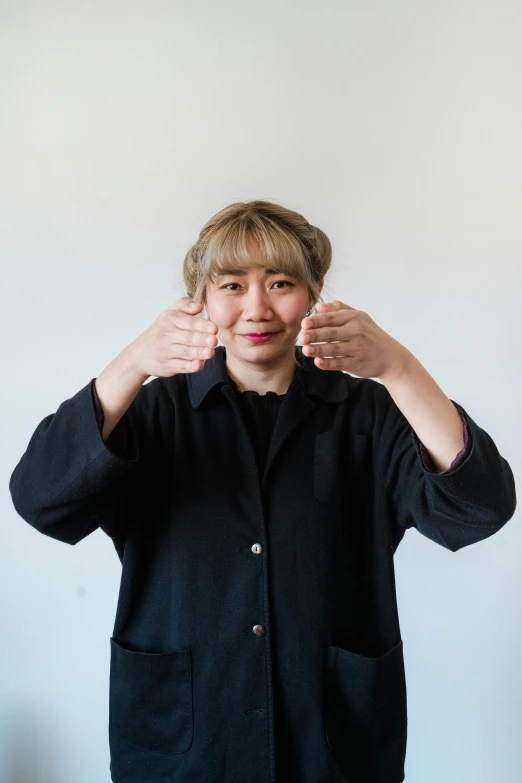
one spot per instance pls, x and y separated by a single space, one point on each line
238 594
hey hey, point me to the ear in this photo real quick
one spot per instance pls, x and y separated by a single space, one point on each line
320 287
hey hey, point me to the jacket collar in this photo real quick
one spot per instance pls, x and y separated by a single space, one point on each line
329 385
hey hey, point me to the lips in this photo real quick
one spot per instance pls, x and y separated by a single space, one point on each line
259 337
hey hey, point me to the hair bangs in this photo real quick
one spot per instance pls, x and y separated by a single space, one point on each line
258 242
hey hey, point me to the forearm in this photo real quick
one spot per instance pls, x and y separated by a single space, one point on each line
116 387
430 412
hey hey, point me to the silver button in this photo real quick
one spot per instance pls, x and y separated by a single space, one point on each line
257 549
259 630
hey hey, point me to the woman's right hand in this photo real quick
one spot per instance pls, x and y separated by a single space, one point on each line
177 341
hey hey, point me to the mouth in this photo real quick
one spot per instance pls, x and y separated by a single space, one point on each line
259 337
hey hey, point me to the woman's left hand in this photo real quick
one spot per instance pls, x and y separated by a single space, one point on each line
351 341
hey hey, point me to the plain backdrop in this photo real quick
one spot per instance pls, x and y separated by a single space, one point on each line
396 127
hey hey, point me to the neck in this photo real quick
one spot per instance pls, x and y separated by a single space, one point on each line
262 378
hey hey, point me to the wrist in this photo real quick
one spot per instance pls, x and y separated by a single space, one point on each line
403 365
130 363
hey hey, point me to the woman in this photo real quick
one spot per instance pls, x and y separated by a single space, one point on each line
256 494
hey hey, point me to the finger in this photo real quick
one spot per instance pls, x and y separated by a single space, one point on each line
191 352
334 316
332 349
335 305
187 304
327 326
325 307
188 322
326 334
193 337
324 363
185 366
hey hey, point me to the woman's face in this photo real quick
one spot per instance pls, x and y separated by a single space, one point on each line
254 302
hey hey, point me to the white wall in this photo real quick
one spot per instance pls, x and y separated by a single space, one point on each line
395 127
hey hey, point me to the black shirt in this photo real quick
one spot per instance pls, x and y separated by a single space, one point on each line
259 413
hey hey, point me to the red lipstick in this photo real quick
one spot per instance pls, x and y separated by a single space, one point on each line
259 338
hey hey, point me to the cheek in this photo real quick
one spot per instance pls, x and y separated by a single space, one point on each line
221 313
294 311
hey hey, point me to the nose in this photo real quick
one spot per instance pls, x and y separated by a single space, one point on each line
257 305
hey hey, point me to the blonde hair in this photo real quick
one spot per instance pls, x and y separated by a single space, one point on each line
285 239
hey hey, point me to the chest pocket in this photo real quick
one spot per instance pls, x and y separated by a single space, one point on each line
342 467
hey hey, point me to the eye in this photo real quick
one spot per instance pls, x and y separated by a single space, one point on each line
285 282
276 282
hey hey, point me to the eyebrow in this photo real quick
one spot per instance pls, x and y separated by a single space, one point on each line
242 272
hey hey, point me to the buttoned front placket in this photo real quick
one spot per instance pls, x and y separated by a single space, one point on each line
295 408
260 630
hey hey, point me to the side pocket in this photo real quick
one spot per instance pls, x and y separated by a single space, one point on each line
366 712
150 698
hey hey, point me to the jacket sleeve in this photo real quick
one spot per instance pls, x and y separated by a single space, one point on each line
69 481
453 508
